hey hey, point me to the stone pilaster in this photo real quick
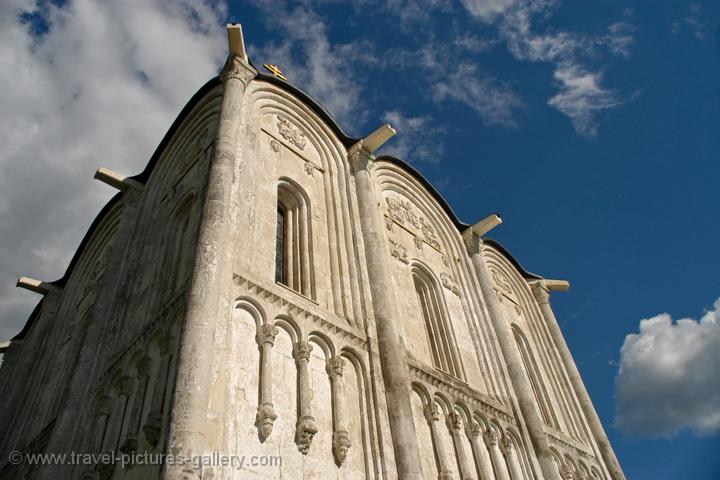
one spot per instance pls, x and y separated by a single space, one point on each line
305 429
208 292
143 375
392 354
432 414
542 295
511 458
341 439
491 441
266 415
467 472
520 383
480 451
152 429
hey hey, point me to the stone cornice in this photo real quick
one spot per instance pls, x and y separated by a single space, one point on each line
458 390
301 307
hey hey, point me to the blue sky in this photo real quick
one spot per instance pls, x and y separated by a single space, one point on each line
591 127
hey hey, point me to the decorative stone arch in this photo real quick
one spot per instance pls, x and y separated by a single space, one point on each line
566 412
323 341
391 177
177 235
368 431
294 266
528 357
583 470
181 146
337 187
252 307
440 333
286 323
90 266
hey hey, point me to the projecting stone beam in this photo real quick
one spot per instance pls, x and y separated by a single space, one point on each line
236 43
116 180
375 140
37 286
485 225
556 285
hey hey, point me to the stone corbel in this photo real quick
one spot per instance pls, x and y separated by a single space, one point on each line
37 286
305 429
473 235
117 181
237 66
266 415
362 152
341 438
143 375
154 421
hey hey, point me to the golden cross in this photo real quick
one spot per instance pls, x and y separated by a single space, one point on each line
274 70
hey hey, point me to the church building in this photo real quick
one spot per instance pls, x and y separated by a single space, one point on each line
268 288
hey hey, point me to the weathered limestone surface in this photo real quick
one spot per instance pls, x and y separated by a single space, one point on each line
270 290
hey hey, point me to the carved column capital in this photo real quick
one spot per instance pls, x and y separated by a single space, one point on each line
566 472
473 243
334 367
506 445
360 159
144 366
103 405
432 413
491 438
123 384
238 69
454 423
266 334
164 344
301 351
473 430
541 292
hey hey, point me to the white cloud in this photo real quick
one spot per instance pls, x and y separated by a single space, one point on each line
694 22
326 71
418 138
581 97
669 378
495 102
99 87
489 10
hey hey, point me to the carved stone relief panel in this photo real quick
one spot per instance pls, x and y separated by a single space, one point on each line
291 133
502 286
403 213
286 139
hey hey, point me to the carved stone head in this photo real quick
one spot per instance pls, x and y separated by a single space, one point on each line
304 434
341 445
90 475
266 417
152 428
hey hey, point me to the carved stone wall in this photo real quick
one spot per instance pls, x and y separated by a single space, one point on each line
292 371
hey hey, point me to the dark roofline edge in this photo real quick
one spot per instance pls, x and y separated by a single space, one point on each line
318 109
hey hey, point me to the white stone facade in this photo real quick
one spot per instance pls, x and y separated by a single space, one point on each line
393 342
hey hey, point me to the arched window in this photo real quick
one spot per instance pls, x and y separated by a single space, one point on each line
178 257
443 345
533 374
293 240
